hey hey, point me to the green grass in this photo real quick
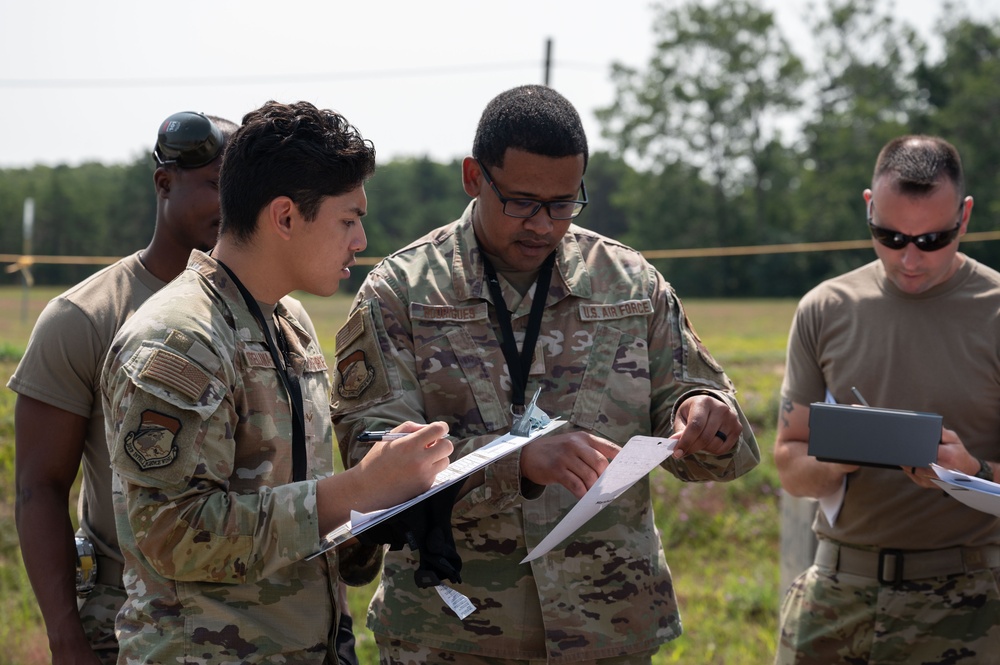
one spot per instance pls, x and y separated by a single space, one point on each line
721 539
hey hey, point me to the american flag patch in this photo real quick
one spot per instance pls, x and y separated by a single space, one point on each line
352 329
177 373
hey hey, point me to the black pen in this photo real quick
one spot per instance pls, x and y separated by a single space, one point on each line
381 435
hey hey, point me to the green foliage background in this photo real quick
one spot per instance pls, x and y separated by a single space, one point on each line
727 137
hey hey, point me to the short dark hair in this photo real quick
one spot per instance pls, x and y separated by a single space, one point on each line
293 150
533 118
917 163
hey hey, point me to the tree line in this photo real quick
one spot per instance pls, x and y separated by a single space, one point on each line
726 137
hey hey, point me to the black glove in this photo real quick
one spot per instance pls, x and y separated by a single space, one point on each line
439 559
405 528
426 529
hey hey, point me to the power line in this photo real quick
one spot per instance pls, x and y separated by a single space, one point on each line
450 70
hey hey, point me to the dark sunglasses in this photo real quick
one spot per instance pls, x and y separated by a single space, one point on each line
925 242
189 140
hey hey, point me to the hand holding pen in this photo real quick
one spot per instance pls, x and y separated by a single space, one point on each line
407 458
380 435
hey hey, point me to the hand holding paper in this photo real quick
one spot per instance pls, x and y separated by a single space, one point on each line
636 459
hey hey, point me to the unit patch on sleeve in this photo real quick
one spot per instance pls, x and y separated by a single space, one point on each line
152 445
356 375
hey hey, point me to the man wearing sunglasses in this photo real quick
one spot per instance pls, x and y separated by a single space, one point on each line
58 417
465 325
903 572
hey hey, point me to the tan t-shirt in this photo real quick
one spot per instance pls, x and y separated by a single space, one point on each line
938 351
61 368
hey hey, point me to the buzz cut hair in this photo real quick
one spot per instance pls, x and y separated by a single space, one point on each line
916 164
533 118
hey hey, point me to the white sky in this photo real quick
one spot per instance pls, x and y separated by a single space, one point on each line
412 75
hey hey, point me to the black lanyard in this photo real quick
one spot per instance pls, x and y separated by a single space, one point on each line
519 365
291 383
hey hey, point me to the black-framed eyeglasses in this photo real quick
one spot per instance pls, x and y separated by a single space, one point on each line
925 242
188 139
524 208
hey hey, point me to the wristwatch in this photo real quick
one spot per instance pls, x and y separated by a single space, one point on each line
985 470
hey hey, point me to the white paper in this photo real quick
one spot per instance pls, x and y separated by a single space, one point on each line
636 459
456 471
974 492
832 503
458 602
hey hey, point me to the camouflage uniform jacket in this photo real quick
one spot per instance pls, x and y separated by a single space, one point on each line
213 530
614 356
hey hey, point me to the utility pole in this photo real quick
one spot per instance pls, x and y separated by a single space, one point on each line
548 60
29 225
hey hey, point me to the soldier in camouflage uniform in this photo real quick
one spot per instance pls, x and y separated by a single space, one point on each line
217 412
902 574
615 357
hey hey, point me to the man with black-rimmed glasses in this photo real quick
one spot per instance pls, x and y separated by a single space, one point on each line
464 325
903 573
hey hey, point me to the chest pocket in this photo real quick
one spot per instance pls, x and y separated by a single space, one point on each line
456 354
614 393
265 417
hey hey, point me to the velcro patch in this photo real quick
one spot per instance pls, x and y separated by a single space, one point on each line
421 312
177 373
355 375
153 444
352 329
256 358
618 310
316 363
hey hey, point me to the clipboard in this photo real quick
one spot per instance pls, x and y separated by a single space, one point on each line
870 436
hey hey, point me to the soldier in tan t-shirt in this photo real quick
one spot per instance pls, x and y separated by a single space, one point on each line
58 418
904 573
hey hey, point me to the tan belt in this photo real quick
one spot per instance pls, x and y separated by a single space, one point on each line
895 566
109 572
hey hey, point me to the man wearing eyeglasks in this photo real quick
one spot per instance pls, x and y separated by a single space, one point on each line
58 417
466 323
903 572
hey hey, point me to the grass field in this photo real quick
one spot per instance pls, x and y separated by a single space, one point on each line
722 540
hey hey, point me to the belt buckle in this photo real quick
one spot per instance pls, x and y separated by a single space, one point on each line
897 572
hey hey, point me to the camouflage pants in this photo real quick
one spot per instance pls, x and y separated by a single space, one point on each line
831 617
396 652
97 614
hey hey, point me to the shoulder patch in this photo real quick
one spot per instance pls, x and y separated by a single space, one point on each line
153 443
352 329
355 375
176 372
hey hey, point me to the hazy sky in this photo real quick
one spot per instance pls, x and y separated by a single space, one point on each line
92 80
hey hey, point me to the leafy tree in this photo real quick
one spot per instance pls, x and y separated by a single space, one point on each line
711 98
864 94
963 93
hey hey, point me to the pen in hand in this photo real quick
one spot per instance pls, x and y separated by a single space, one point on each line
381 435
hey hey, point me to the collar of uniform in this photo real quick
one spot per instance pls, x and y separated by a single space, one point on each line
468 278
245 324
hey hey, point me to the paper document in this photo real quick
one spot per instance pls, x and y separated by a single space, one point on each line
637 458
974 492
456 471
